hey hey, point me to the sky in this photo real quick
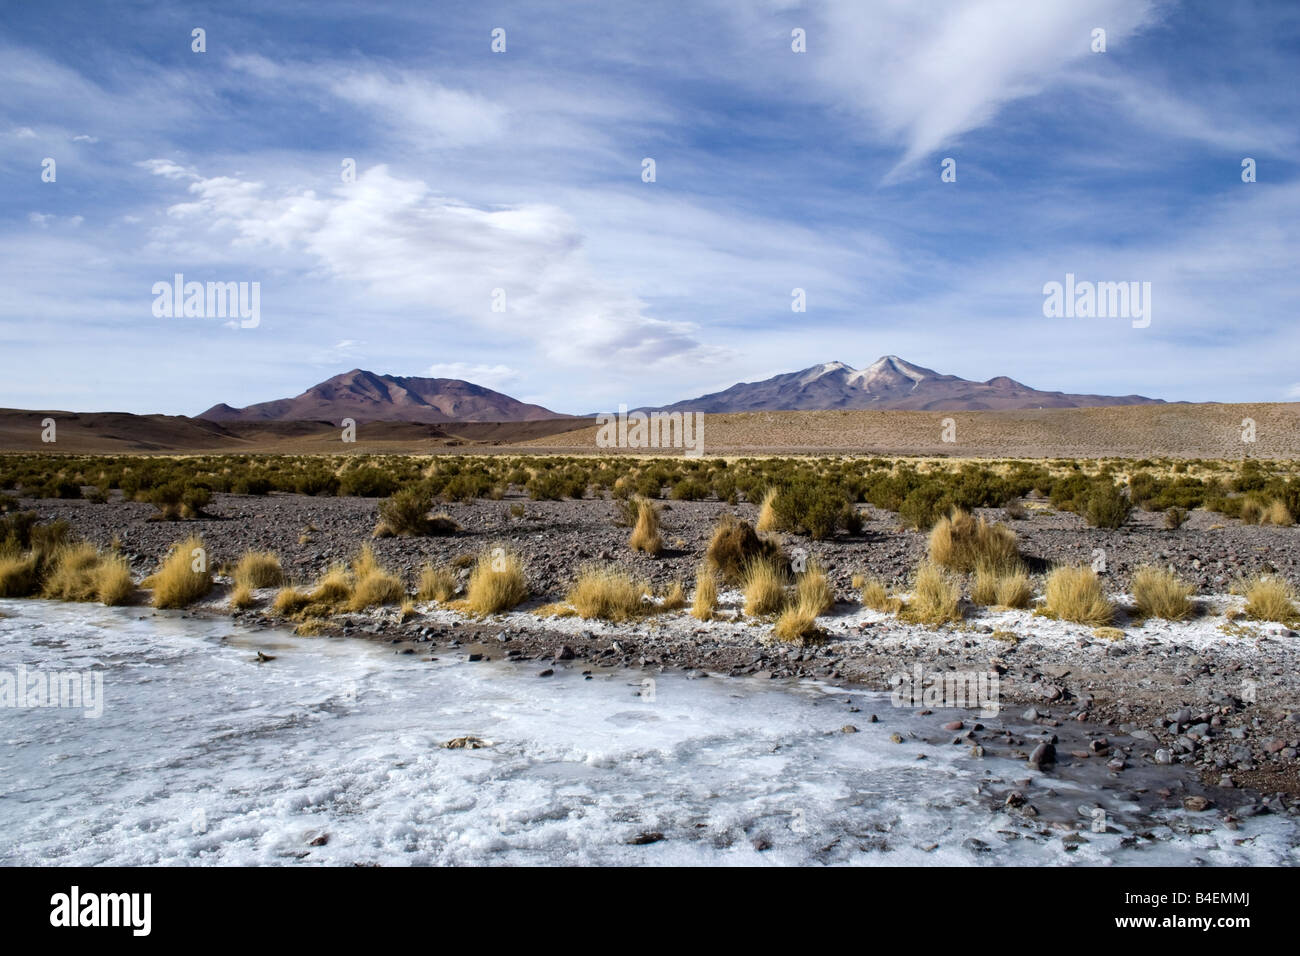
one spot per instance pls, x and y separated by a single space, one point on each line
501 225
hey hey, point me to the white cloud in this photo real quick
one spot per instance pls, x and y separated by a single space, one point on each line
167 168
490 376
83 138
23 132
403 243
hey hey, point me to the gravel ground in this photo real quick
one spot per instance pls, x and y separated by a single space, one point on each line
1167 692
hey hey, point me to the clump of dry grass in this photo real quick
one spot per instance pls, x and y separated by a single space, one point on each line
1009 587
813 589
1074 593
706 594
607 594
437 584
79 572
875 595
497 583
334 586
241 597
674 599
936 596
767 519
19 575
798 622
258 569
290 601
183 577
964 543
373 584
734 545
113 584
1277 514
1158 592
645 536
1270 598
763 585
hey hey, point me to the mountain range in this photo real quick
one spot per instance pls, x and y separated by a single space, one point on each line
888 383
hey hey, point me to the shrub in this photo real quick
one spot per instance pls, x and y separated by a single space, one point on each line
1107 506
258 569
437 584
497 583
608 594
1075 594
1157 592
805 507
366 481
406 513
936 596
706 594
962 543
734 545
645 536
177 582
1175 517
1270 599
763 584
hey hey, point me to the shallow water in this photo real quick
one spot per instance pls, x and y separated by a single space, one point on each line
204 755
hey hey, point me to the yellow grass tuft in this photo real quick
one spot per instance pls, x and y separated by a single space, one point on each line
767 520
112 578
497 583
241 597
706 594
183 577
812 588
71 573
258 569
645 536
289 601
764 588
875 595
936 596
19 575
1008 588
373 584
675 599
437 584
608 594
798 622
1270 598
1158 592
964 543
1075 594
1277 514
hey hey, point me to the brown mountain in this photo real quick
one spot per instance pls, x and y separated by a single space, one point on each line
888 383
366 397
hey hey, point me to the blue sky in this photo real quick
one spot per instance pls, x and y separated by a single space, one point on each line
522 170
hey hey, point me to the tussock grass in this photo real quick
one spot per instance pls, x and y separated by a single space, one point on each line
437 584
1074 593
496 584
1158 592
1277 514
19 575
1009 588
763 584
334 586
645 536
963 543
767 518
798 622
241 597
79 572
608 594
1270 598
936 596
813 589
875 595
706 594
674 599
258 569
290 601
176 583
373 584
734 545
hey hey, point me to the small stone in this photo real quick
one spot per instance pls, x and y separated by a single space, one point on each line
848 729
546 673
953 725
1164 756
641 839
1196 803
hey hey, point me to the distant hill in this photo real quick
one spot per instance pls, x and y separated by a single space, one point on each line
888 383
367 397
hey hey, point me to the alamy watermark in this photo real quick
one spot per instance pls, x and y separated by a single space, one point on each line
83 690
683 430
963 690
212 300
1098 300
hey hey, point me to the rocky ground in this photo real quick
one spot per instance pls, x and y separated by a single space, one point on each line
1215 695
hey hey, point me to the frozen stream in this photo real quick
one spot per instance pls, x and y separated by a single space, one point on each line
332 753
